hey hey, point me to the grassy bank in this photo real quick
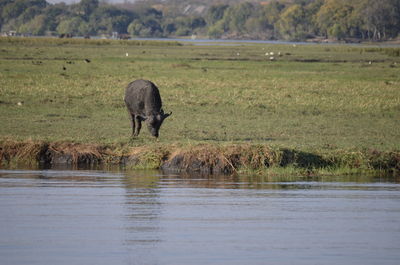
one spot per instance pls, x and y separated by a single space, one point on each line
319 99
201 158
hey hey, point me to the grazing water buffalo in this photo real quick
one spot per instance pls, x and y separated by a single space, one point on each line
143 101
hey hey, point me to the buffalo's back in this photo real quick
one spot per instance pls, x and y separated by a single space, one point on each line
142 97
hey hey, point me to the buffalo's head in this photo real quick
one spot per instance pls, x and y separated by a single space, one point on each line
154 122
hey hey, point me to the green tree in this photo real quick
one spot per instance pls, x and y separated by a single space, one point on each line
107 19
71 26
237 15
169 26
334 18
13 9
380 19
217 25
135 27
293 23
215 13
18 12
53 15
311 9
270 16
187 25
152 12
87 7
146 28
337 31
30 13
217 30
36 26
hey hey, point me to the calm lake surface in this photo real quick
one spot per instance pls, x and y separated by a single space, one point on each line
97 217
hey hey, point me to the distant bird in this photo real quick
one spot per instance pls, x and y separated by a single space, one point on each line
87 60
64 68
20 103
126 54
272 58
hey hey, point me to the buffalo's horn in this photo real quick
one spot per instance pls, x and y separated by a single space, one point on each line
166 115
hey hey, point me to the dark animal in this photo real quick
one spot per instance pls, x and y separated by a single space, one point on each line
143 101
67 35
124 36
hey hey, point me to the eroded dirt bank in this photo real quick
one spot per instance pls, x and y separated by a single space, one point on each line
200 158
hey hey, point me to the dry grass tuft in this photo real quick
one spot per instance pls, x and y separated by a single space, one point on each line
251 156
24 152
203 158
75 153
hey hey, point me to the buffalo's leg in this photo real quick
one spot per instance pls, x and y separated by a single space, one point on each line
138 125
132 118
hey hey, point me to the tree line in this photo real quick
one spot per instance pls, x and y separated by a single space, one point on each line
279 19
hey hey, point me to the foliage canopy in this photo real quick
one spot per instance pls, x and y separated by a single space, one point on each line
275 19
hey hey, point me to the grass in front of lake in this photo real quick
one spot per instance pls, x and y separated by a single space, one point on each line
312 97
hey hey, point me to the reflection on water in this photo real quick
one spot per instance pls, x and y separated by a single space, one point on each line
95 217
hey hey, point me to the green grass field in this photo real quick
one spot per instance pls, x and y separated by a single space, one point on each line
312 97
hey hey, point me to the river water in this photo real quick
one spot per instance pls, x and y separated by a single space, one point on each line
98 217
